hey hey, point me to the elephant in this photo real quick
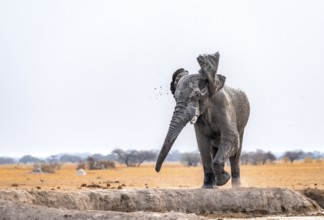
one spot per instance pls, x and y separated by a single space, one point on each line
219 114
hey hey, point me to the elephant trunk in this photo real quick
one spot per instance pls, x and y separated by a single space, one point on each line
179 120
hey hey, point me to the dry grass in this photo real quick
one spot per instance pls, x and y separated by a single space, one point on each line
173 175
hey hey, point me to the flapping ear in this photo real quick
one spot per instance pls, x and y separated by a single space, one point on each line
176 77
220 81
209 66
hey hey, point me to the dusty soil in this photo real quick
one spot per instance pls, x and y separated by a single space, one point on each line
296 176
154 204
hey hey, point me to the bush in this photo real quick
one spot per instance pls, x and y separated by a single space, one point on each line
285 160
81 165
46 168
308 160
99 165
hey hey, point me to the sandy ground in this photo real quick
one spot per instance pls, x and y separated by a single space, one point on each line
297 176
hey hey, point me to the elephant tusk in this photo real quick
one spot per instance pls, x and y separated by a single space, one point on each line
194 120
195 117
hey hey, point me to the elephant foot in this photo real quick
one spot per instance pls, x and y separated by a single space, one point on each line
209 186
222 179
236 183
209 180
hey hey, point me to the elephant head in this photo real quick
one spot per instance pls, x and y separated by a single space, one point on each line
191 93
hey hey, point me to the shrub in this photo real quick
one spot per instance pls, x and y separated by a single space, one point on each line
99 165
285 160
81 165
308 160
46 168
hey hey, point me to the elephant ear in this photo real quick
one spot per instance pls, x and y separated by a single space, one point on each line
209 66
176 77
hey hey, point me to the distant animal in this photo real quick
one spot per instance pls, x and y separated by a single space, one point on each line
219 114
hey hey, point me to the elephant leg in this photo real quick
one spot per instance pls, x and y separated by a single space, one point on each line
226 147
235 169
206 159
235 165
218 166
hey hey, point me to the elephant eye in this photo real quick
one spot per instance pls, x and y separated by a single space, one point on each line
202 84
195 95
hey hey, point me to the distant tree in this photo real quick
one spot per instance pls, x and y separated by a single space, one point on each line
244 158
7 160
307 155
126 157
173 156
270 156
293 155
111 156
191 158
66 158
98 157
257 157
318 155
134 157
29 159
53 159
145 155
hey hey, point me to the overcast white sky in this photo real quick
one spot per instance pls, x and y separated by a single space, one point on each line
80 76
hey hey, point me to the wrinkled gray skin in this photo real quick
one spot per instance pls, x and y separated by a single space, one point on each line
219 114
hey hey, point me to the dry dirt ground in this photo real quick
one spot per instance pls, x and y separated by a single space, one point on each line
297 176
141 193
